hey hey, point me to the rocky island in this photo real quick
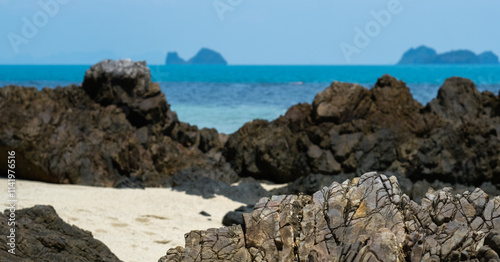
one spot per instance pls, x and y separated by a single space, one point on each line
204 57
426 55
117 129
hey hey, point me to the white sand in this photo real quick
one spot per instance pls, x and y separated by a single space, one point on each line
137 225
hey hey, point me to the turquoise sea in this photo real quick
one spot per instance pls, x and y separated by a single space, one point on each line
225 97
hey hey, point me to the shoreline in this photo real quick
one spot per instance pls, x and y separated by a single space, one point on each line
136 224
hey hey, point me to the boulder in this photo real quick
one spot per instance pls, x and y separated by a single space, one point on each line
364 219
128 85
116 129
41 235
349 129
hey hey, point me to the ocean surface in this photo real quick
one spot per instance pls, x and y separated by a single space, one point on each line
226 97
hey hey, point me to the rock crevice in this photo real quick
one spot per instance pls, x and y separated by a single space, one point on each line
363 219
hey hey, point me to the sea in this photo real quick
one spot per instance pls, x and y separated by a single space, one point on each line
226 97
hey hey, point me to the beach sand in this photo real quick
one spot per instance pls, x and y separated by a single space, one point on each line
137 225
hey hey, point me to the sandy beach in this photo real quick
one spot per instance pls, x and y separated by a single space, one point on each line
137 225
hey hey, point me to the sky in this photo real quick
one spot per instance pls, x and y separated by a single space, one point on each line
245 32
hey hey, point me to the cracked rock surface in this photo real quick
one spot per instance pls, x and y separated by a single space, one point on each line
367 218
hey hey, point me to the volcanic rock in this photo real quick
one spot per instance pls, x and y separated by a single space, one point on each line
41 235
365 219
117 129
349 129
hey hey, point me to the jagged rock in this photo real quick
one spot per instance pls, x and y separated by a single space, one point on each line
41 235
128 85
117 129
350 129
365 219
224 244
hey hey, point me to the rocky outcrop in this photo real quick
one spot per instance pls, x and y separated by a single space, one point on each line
41 235
204 57
116 129
365 219
426 55
352 130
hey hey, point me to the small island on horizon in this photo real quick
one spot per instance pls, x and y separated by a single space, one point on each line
204 57
427 55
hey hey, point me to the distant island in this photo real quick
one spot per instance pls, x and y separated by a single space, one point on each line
204 57
426 55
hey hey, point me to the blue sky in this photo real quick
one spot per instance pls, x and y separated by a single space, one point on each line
244 31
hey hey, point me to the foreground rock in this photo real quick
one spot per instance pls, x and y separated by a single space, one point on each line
41 235
366 219
352 130
117 129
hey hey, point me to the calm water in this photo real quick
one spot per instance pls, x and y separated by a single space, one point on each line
225 97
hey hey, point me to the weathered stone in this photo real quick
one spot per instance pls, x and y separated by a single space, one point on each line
365 219
41 235
350 129
117 130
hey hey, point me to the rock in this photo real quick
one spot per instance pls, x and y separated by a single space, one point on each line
236 217
204 57
224 244
310 184
426 55
117 129
260 149
41 235
352 130
365 219
205 214
128 85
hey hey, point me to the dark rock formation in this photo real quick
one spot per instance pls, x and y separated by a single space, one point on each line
204 57
366 219
236 217
426 55
41 235
128 86
352 130
115 130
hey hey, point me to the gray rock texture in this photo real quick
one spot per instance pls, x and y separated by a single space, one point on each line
364 219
